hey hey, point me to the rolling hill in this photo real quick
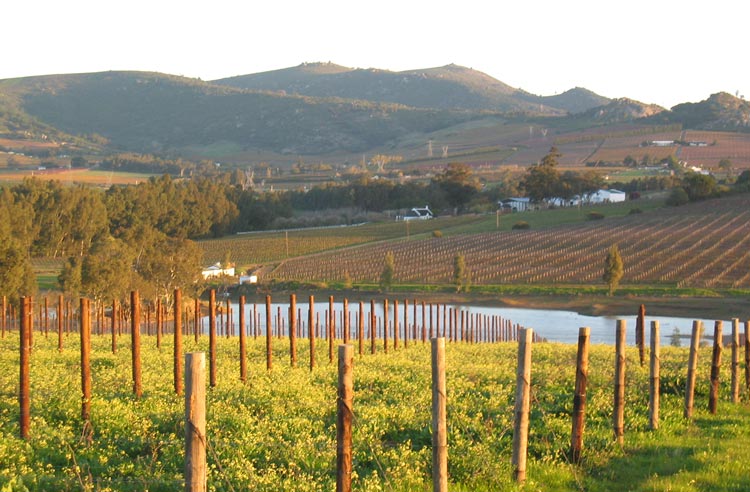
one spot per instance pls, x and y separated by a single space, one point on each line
323 110
448 87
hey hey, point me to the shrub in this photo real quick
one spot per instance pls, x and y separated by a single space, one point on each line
634 211
437 233
677 197
594 216
520 225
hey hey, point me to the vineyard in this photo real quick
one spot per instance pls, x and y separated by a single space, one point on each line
255 248
700 245
276 431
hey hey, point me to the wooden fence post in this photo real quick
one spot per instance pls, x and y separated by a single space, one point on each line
395 324
212 338
361 328
85 326
177 349
195 422
439 418
579 400
24 395
640 333
331 328
269 335
619 399
60 318
747 355
385 325
695 340
713 396
243 343
522 406
735 360
114 326
654 387
3 315
293 330
311 331
344 418
135 341
374 330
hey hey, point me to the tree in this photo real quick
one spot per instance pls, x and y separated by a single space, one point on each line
542 180
458 184
460 274
389 267
613 268
699 186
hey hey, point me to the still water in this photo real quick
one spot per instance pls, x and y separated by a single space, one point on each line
558 326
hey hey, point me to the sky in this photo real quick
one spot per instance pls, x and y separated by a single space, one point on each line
662 52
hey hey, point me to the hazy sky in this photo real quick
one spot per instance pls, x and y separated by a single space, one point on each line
658 51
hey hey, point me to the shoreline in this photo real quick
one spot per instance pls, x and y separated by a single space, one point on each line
724 308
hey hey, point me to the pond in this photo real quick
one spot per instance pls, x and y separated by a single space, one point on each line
554 325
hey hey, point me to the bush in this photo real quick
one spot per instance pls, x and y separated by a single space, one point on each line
520 225
594 216
635 211
677 197
437 233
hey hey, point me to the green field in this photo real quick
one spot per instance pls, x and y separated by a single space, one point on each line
277 433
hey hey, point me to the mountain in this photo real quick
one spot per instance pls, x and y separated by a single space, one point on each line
621 110
721 111
448 87
152 112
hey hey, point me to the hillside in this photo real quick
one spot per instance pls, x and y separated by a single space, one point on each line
720 111
151 112
448 87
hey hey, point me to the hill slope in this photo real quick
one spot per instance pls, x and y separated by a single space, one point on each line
448 87
155 112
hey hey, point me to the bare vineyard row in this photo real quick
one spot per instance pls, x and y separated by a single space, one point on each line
703 245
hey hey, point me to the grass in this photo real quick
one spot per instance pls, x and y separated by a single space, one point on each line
277 432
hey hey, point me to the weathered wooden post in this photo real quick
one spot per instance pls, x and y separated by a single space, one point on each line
345 324
385 325
60 318
135 341
4 314
311 331
195 422
196 319
269 335
24 394
640 333
735 360
374 327
713 396
212 338
114 326
439 418
522 406
361 330
243 343
293 330
345 415
85 326
619 399
579 400
395 324
177 349
695 340
654 390
747 356
331 328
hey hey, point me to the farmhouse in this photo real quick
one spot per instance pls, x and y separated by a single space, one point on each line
216 270
416 213
515 204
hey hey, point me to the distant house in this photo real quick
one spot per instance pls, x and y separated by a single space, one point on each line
248 279
515 204
217 270
607 196
416 213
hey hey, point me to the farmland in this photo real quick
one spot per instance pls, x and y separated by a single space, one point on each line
705 244
278 432
76 176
